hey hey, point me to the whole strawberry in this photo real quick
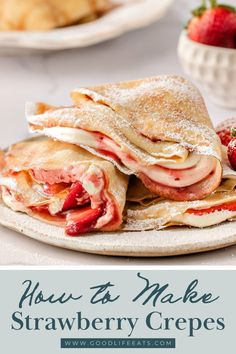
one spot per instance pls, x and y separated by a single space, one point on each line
224 130
232 150
214 25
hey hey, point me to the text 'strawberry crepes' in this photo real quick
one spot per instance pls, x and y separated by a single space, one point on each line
64 185
157 128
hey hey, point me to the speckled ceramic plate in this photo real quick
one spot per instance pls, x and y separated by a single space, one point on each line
171 242
129 15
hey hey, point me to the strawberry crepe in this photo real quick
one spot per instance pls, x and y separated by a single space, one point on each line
156 128
147 212
64 185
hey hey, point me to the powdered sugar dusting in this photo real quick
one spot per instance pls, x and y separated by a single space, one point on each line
170 100
163 213
123 94
144 117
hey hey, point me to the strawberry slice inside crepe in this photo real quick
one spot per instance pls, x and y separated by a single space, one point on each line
62 184
76 212
82 220
231 206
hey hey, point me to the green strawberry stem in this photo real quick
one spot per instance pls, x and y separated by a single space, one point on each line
213 3
199 11
227 7
233 132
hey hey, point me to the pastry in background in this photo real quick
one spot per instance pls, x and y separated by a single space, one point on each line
41 15
156 128
63 185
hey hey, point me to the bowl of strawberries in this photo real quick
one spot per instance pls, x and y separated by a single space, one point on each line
207 50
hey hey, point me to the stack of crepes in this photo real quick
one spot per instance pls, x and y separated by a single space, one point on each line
136 155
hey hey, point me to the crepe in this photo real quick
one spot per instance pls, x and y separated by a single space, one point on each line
47 14
138 193
156 128
220 206
64 185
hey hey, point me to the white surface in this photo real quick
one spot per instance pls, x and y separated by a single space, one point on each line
127 16
50 77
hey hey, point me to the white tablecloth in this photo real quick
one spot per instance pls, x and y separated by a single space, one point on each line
50 77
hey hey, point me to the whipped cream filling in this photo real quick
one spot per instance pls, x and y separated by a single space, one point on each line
204 220
194 169
93 140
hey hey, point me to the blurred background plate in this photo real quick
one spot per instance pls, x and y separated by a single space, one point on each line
126 16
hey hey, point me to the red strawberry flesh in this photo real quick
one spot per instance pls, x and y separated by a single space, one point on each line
225 137
82 220
224 130
76 192
231 206
214 26
232 153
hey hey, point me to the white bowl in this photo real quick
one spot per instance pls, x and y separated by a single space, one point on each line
212 67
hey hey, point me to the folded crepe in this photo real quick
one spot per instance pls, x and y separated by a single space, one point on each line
38 15
156 128
149 213
64 185
138 193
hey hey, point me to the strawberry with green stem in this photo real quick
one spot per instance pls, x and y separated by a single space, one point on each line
213 25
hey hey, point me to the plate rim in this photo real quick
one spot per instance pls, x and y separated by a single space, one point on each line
39 231
71 37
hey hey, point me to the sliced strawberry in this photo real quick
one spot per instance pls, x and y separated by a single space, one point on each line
82 220
52 189
76 192
227 206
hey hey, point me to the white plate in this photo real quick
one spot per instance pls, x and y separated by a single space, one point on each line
131 14
175 241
